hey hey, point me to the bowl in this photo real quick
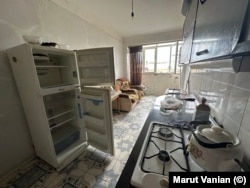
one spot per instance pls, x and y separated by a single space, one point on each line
32 39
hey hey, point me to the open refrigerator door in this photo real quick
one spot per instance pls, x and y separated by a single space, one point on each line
96 66
96 118
96 74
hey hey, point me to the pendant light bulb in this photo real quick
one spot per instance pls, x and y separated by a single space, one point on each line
132 13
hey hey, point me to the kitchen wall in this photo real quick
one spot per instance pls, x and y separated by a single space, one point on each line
53 24
228 95
156 83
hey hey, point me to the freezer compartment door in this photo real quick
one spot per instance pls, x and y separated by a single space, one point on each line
96 66
96 116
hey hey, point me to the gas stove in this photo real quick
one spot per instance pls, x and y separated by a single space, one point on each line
164 150
172 91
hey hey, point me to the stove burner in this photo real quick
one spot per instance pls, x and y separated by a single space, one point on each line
165 132
163 155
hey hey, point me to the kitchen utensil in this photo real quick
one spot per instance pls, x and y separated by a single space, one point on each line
189 99
186 97
215 149
202 111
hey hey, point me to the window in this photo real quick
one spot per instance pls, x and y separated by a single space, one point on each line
161 58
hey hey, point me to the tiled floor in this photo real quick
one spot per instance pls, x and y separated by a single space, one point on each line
93 168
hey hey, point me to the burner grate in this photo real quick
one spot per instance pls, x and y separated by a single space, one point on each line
182 124
165 150
163 155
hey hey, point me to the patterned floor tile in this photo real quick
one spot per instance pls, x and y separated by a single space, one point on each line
101 184
93 168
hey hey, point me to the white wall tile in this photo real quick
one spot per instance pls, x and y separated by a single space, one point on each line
230 125
236 104
229 96
217 76
215 86
158 83
227 77
246 118
244 137
242 80
224 94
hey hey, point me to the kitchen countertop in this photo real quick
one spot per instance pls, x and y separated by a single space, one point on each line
154 115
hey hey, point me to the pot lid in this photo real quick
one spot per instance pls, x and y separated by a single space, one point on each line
217 134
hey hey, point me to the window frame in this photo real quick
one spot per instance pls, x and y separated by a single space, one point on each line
155 46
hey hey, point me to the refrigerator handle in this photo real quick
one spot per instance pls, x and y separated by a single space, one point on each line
79 110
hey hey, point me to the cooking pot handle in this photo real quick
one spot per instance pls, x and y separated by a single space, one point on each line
196 123
215 145
240 164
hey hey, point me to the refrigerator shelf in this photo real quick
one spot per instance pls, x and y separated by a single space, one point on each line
94 124
97 140
61 121
60 88
51 66
71 151
94 80
94 66
95 120
63 137
61 113
55 68
41 57
93 63
54 86
93 98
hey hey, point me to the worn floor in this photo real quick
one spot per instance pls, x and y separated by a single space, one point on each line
92 168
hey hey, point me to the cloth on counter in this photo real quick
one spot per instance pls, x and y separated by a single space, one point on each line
170 103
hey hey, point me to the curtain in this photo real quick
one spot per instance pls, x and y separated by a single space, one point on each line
135 54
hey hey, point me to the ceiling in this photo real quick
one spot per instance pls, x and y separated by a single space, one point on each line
114 16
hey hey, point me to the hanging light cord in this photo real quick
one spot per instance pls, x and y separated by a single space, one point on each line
132 13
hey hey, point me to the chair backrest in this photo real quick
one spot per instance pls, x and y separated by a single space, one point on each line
124 83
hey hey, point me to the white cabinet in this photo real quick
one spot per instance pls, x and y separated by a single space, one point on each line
64 113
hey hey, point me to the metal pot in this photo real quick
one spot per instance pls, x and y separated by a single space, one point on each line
215 149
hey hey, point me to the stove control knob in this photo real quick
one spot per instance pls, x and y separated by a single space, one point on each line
164 183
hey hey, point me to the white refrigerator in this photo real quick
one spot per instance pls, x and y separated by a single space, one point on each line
66 99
